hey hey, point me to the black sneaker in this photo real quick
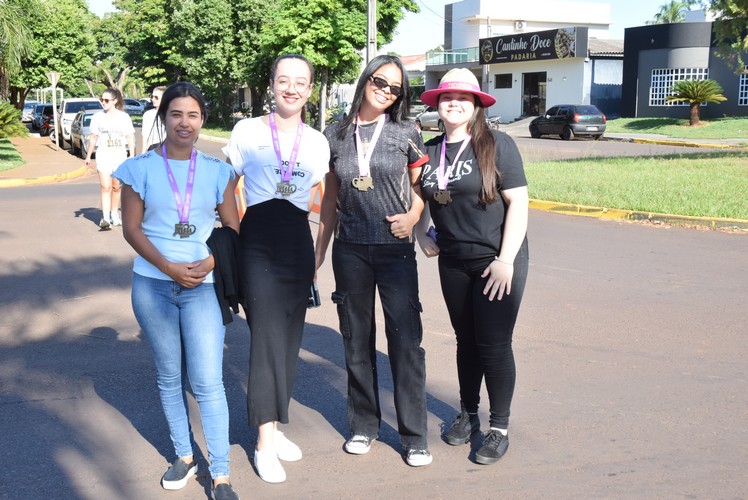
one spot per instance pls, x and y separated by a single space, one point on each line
224 491
462 428
494 446
178 474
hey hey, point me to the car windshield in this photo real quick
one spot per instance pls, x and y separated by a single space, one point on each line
74 107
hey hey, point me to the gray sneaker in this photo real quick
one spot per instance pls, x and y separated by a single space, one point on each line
105 224
177 475
463 426
494 446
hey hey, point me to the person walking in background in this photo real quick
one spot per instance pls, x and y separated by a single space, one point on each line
477 197
170 198
113 133
152 130
372 202
281 160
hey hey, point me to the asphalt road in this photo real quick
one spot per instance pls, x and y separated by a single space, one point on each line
630 349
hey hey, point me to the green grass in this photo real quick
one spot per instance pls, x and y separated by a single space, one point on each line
215 131
720 128
9 157
705 185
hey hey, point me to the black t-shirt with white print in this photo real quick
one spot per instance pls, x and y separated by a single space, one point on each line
467 229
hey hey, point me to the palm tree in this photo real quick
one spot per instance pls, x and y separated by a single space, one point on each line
672 12
696 92
15 38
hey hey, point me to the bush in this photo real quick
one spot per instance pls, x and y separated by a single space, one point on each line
10 122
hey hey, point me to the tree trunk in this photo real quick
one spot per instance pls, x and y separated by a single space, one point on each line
694 118
258 101
323 98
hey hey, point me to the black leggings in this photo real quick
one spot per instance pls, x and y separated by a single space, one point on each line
277 268
484 331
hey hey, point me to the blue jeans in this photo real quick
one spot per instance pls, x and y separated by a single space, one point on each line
185 331
359 271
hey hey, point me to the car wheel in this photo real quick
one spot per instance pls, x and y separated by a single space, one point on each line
534 132
441 126
567 134
597 137
73 147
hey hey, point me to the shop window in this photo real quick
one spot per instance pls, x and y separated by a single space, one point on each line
663 80
743 90
502 81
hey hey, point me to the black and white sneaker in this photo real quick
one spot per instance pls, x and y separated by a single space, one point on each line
178 474
494 446
358 444
104 223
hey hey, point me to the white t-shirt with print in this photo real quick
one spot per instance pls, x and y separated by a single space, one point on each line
112 128
251 152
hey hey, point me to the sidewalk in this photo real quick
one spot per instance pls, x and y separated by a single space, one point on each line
44 165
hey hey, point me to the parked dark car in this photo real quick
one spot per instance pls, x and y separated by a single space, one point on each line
41 112
569 120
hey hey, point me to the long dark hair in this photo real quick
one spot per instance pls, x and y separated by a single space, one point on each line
484 147
398 110
181 89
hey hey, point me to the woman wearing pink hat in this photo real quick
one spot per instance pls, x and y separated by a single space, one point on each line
477 198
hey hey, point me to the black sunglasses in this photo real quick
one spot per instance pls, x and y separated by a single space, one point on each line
381 83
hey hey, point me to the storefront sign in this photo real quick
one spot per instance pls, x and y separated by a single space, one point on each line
552 44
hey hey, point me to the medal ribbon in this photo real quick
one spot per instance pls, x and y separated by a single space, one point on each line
286 173
183 208
365 158
442 176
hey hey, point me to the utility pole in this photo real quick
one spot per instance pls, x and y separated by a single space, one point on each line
371 30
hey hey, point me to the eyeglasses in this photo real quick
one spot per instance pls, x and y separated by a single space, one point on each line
107 101
283 84
381 83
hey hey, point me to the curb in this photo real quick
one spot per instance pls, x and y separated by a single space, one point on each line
663 142
47 179
633 215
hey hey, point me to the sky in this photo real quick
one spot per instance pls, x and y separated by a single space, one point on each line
418 33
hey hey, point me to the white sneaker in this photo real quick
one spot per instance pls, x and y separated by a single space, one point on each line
418 458
268 466
285 449
358 444
114 217
104 223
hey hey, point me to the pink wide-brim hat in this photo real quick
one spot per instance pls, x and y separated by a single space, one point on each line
457 80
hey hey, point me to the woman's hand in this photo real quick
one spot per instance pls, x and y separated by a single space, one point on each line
189 274
401 225
499 279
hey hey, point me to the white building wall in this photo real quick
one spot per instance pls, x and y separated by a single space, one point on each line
474 19
567 82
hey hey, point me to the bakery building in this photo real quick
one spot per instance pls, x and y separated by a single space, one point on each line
534 55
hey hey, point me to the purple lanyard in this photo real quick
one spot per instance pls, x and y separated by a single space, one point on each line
286 173
365 158
442 176
183 209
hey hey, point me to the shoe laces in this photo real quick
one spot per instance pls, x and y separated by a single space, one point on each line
493 439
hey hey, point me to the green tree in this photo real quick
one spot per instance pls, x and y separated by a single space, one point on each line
696 92
330 33
63 41
15 39
731 30
672 12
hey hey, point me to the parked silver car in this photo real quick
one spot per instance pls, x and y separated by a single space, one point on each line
27 113
429 118
80 129
134 107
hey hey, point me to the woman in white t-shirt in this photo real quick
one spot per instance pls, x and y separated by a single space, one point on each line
281 160
112 131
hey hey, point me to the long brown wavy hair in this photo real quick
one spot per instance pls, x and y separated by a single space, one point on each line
484 146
